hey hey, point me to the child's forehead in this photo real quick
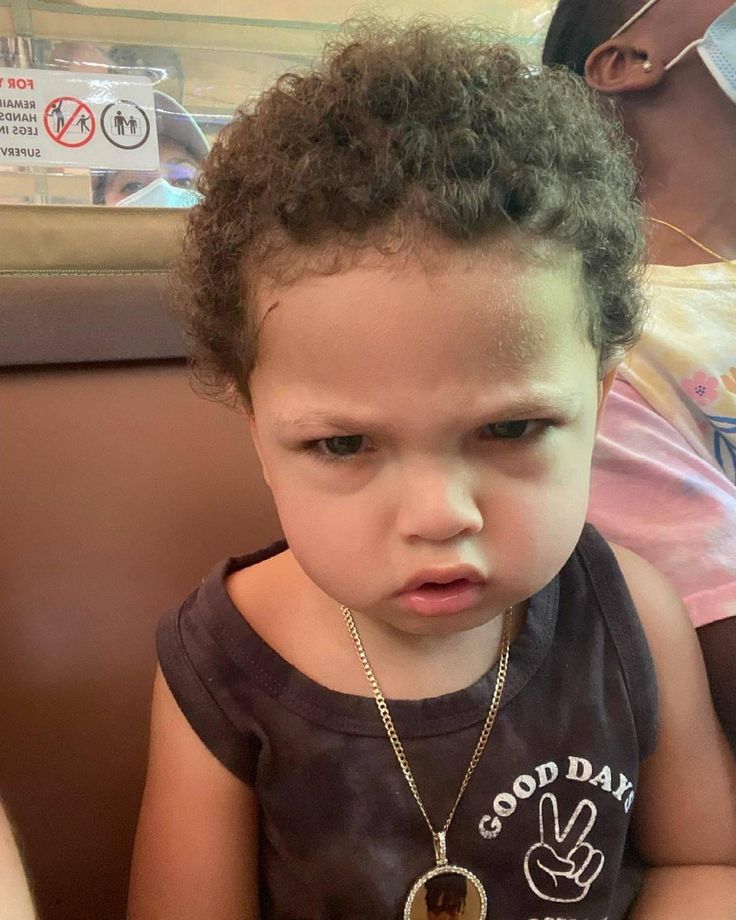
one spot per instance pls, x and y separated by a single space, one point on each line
398 345
520 297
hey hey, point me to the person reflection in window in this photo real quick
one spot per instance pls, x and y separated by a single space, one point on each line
177 168
182 149
182 144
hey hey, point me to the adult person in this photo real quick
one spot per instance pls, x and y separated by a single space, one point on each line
181 142
664 481
182 148
84 57
15 897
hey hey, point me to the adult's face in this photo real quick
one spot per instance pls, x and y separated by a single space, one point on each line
176 165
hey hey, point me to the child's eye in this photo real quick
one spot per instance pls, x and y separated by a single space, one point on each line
344 445
514 429
341 447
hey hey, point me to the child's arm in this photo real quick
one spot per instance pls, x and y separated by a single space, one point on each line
196 848
684 819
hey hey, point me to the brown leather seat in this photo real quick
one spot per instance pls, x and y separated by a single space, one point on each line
119 489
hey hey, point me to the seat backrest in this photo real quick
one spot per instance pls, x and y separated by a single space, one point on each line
119 489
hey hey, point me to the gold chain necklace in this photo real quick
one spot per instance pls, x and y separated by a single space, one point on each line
444 880
711 252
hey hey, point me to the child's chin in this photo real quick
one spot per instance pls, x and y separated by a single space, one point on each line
445 625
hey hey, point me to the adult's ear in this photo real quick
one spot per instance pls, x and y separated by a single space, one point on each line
618 66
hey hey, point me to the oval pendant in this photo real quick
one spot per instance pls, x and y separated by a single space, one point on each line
447 891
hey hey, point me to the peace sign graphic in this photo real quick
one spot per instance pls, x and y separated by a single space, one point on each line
563 866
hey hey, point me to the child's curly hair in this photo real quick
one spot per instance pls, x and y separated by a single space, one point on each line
432 126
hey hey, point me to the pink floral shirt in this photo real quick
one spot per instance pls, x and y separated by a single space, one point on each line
664 477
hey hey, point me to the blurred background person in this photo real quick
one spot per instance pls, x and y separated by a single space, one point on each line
182 148
84 57
182 144
664 480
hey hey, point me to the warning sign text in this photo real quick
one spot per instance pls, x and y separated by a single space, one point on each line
77 119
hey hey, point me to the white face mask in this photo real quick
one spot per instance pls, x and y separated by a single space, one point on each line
161 194
717 47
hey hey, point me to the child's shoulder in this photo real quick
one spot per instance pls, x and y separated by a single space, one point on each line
268 593
287 610
261 585
656 601
663 616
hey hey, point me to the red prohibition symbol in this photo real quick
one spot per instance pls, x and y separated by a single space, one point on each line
69 121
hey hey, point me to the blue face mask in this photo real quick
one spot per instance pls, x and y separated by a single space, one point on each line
717 48
161 194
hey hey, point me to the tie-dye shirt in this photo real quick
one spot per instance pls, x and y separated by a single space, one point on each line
664 478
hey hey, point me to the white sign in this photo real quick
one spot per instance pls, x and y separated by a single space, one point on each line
52 118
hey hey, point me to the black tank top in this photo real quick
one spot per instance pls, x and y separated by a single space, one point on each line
341 836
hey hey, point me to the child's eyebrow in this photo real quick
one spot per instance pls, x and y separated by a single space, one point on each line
538 405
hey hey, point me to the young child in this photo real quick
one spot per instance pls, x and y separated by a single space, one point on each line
417 266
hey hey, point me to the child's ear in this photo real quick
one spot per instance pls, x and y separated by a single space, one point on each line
618 66
604 388
257 444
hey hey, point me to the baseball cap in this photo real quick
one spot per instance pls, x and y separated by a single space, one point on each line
173 121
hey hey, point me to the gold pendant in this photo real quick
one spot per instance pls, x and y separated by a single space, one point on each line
446 891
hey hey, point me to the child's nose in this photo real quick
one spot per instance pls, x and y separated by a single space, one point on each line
437 503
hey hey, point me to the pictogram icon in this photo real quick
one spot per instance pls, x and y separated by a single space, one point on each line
69 121
125 124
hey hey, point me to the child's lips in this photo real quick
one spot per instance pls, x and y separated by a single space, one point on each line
435 600
438 575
